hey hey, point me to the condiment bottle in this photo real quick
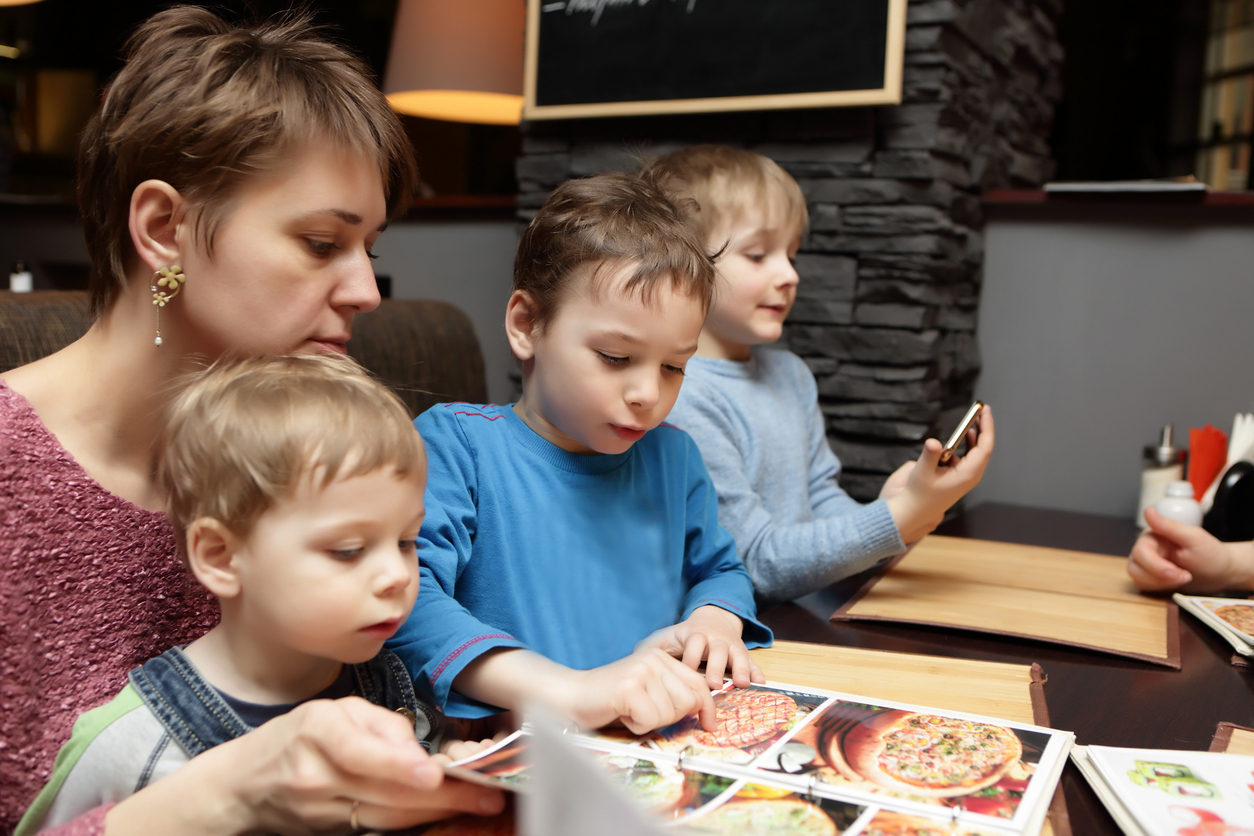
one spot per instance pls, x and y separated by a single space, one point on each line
1163 464
1178 504
21 280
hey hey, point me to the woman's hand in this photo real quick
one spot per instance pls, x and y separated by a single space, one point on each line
303 773
1172 555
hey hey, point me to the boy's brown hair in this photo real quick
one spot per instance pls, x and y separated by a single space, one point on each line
205 105
607 221
242 434
725 182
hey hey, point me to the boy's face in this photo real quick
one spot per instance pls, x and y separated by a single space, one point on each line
759 283
332 572
607 367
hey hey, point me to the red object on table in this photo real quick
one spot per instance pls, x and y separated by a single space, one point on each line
1208 452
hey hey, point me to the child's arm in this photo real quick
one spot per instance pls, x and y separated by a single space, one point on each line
1171 555
645 691
785 560
931 488
719 614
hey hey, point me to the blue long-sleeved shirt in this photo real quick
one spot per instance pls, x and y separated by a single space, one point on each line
575 557
762 436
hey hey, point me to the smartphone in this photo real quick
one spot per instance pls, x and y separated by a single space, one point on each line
964 426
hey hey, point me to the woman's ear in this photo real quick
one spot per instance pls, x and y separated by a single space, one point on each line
157 209
520 324
212 550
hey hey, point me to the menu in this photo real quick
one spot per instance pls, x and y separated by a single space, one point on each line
1231 618
785 759
1162 792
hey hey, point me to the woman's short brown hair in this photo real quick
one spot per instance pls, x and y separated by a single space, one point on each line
242 434
204 105
623 218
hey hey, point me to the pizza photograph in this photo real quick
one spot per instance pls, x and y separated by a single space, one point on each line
939 760
1238 616
750 720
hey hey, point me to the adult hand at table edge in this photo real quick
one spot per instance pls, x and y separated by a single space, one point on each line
301 773
1171 555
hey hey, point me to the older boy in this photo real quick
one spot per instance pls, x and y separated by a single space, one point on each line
295 487
564 530
754 410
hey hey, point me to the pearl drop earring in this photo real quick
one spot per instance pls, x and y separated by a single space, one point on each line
172 279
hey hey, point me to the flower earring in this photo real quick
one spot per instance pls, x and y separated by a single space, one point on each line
171 278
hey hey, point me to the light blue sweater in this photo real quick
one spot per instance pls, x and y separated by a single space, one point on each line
575 557
762 436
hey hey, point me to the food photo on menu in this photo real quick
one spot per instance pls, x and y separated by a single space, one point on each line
785 760
1231 618
1160 792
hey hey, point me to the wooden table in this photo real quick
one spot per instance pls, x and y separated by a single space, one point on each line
1103 699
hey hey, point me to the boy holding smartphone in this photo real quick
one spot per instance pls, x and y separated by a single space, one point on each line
754 412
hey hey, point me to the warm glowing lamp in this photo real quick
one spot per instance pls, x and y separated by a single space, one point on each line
16 2
458 60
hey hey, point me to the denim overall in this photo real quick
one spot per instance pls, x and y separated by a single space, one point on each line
197 717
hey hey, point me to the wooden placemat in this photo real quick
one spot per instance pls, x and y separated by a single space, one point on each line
995 689
1232 739
1065 597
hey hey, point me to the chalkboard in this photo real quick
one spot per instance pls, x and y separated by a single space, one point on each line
620 57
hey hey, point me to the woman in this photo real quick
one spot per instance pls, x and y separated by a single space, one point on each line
232 184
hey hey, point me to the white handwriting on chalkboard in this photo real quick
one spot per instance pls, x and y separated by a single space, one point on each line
597 7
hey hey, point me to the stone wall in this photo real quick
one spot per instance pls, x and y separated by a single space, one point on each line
891 268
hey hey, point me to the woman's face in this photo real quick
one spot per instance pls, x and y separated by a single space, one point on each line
290 263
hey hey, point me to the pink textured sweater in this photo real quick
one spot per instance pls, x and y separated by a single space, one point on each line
90 587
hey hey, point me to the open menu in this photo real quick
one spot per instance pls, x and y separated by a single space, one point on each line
1163 792
1231 618
785 759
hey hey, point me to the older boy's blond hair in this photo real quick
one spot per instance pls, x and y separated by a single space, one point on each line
727 182
206 106
243 433
623 218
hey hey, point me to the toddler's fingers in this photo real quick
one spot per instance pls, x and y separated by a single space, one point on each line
755 673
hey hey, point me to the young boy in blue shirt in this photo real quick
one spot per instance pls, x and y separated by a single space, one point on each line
753 409
571 553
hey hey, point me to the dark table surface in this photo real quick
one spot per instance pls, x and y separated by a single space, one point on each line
1103 699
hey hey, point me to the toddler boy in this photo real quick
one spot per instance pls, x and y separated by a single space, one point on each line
565 529
754 410
295 488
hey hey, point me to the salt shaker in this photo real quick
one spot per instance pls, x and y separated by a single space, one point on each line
21 280
1163 464
1178 504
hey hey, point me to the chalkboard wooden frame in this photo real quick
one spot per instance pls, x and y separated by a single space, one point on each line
889 93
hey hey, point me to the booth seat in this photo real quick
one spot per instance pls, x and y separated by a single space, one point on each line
425 351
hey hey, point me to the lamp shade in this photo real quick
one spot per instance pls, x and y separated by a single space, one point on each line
459 60
16 2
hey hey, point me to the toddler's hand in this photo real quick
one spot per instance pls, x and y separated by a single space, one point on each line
1171 555
711 635
645 691
931 488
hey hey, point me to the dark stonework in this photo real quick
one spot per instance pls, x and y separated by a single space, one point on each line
891 268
